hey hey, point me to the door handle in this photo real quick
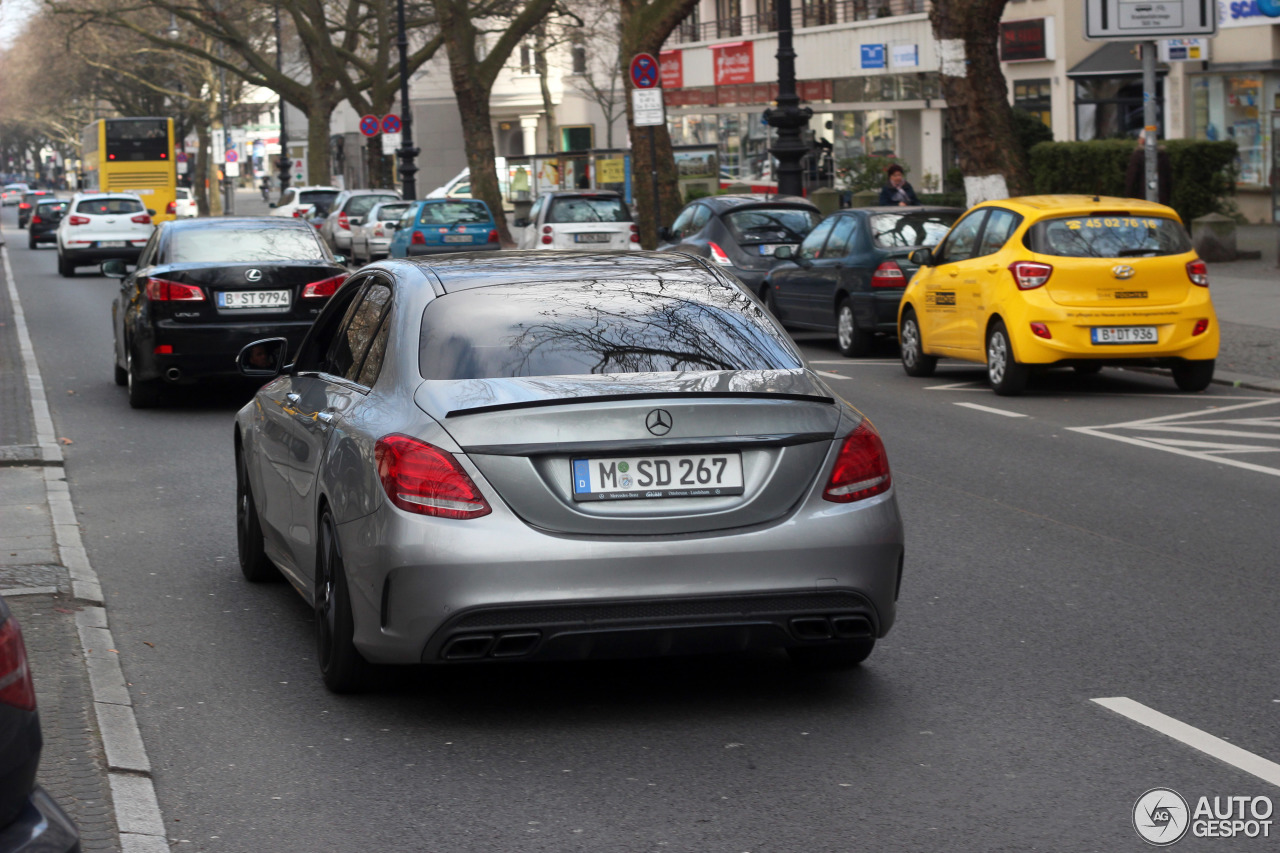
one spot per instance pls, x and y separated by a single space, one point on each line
293 397
993 268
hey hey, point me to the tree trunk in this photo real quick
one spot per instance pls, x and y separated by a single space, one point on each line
378 177
200 175
549 108
477 129
318 117
978 109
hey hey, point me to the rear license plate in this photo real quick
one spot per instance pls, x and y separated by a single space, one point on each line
1124 335
770 248
702 475
253 299
591 238
112 244
457 238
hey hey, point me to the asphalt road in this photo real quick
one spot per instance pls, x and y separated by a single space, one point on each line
1046 567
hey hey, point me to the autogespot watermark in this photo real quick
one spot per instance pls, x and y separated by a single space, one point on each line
1161 816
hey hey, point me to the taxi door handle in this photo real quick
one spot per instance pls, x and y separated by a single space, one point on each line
993 268
293 398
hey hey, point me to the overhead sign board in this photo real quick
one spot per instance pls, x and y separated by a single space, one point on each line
1143 20
646 107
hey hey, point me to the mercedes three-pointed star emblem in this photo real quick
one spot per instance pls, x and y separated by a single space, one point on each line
658 422
253 274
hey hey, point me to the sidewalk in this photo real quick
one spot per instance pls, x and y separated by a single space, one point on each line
1246 295
93 762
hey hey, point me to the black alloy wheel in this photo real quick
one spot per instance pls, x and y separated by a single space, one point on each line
914 361
831 658
853 342
341 666
1193 375
143 394
1007 375
254 563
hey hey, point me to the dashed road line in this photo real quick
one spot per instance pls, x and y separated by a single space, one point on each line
831 375
1215 747
992 411
971 385
857 362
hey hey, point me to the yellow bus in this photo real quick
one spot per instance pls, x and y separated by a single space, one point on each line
132 155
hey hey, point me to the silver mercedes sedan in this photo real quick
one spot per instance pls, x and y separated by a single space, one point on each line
537 456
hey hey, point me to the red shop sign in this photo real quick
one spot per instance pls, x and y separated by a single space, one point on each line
734 62
672 64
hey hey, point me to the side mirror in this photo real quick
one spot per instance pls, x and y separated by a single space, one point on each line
784 253
114 268
263 359
921 257
150 212
340 259
521 223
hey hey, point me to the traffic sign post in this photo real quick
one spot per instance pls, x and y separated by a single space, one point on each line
370 125
647 111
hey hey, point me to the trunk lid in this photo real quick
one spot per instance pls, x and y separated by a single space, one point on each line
1118 282
525 435
235 279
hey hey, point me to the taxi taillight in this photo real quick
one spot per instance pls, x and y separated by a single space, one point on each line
1030 274
1198 273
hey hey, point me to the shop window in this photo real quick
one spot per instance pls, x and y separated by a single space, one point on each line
577 138
1035 97
1111 107
1231 109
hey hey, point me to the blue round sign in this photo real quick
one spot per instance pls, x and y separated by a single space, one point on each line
391 123
369 125
644 71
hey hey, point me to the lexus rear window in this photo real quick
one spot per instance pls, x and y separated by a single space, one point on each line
771 225
243 245
905 230
597 327
107 206
454 213
1117 235
588 209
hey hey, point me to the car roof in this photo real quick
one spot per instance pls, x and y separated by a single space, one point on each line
474 269
53 200
1040 206
316 187
118 194
203 223
923 208
560 193
725 203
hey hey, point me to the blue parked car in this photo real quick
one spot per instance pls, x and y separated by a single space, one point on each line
438 225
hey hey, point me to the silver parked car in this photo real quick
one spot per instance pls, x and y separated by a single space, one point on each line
533 456
348 210
371 239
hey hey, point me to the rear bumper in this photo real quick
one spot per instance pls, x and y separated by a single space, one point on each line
415 251
84 257
877 311
202 352
41 827
1071 340
50 236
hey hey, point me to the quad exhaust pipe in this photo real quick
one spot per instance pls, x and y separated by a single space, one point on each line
477 646
845 627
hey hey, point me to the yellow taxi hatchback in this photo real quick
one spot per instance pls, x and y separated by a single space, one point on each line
1061 281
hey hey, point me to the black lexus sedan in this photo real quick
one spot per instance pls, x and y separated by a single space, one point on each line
30 820
204 288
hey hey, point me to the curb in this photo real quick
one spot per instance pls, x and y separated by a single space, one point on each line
137 810
1230 380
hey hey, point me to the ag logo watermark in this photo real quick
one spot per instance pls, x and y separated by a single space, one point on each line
1161 816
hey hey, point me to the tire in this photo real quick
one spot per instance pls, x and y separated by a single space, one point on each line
831 658
142 394
341 666
1193 375
914 361
766 296
31 243
1008 378
1088 369
254 563
66 269
853 342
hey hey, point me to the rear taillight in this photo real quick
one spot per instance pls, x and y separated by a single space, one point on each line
323 288
1198 273
547 235
718 255
160 290
22 205
171 208
493 235
16 688
888 274
36 220
1029 275
141 219
1041 330
862 468
78 220
421 478
343 222
635 233
418 239
1202 326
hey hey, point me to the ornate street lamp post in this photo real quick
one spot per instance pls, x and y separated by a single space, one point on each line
407 152
788 117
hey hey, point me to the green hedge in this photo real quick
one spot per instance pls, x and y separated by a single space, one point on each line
1204 173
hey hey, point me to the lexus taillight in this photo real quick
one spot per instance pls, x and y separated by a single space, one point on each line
1198 273
718 255
1029 275
171 208
323 288
78 220
141 219
343 222
16 688
493 235
862 468
888 274
419 477
418 239
161 290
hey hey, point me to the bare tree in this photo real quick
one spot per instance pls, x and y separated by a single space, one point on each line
595 60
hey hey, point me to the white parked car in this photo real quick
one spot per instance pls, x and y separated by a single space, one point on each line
459 186
12 193
309 203
371 239
578 219
184 204
100 226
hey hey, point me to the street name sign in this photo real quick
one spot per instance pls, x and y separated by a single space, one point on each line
646 107
645 71
1147 20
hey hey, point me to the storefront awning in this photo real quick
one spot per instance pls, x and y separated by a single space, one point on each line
1113 59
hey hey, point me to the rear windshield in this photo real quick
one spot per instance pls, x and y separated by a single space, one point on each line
101 206
1116 235
576 208
51 206
322 199
361 204
595 327
243 245
454 213
392 212
771 224
133 139
905 230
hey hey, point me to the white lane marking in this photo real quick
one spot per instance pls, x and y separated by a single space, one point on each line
991 410
1216 747
1256 433
832 375
857 362
959 386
